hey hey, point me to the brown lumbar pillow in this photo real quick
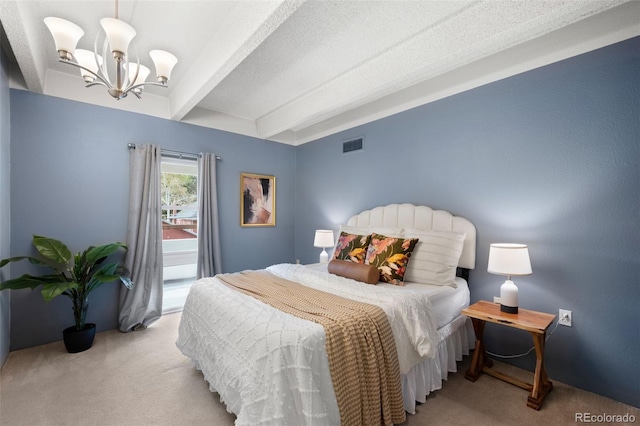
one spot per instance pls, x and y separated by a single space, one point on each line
356 271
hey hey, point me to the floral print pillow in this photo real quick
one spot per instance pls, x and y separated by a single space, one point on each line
351 247
391 256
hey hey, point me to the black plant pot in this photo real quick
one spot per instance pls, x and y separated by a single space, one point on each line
79 340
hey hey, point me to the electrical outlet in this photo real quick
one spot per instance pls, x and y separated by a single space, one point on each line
496 299
565 317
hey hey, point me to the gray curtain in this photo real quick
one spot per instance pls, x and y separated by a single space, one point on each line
142 305
209 259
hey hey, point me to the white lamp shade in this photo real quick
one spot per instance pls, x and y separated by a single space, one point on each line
65 34
88 60
509 259
164 63
119 34
142 74
323 238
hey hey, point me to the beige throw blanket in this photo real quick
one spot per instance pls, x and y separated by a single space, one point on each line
363 361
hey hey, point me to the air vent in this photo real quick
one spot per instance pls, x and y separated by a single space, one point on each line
353 145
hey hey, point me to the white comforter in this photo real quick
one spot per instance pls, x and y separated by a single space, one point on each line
270 367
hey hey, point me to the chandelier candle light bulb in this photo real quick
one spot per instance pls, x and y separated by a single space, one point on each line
129 76
65 35
142 72
89 66
164 63
119 34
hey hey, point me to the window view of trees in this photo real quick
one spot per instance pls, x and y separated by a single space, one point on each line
178 190
179 186
179 200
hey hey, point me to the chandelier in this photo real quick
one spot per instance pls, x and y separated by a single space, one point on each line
126 76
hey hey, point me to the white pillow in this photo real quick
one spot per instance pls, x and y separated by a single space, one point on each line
435 258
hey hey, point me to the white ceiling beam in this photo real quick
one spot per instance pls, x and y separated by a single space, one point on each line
24 37
612 26
422 57
245 31
217 120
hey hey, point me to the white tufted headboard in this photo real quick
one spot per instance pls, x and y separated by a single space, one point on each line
421 217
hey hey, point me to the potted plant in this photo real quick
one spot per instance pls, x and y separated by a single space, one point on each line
74 276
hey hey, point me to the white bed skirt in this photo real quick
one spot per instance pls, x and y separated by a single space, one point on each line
456 339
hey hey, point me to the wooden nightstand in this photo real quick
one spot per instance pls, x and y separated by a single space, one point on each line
534 322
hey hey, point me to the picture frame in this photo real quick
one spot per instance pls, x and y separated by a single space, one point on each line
257 200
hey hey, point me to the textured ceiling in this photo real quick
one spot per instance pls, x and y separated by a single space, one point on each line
295 71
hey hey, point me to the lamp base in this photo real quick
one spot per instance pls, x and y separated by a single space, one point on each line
324 256
509 297
509 309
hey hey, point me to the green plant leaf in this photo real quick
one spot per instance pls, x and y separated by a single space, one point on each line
25 281
106 273
12 259
109 273
52 249
106 278
94 254
51 290
32 260
53 278
122 270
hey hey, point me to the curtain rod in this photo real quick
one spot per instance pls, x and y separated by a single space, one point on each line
179 154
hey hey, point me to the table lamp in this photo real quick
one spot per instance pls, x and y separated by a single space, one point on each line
324 239
509 259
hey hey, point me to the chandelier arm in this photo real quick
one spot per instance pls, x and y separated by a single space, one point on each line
135 77
97 75
102 65
96 83
147 83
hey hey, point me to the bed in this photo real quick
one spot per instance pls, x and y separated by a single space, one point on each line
270 367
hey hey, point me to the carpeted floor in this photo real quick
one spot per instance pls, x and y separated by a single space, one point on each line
142 379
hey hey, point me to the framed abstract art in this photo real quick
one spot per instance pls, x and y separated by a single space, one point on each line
257 200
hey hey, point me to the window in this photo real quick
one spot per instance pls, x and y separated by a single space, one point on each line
179 229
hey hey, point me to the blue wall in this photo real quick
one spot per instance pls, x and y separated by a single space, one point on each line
5 224
69 180
550 158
